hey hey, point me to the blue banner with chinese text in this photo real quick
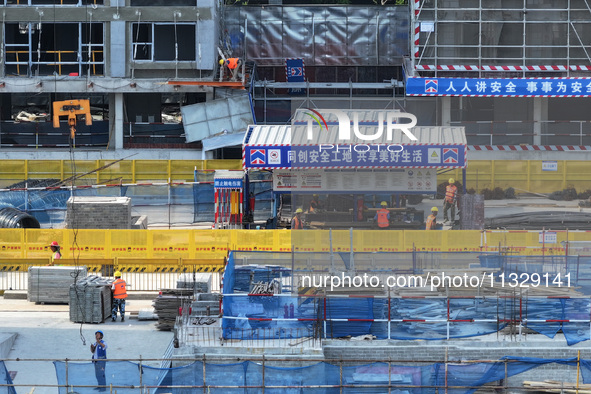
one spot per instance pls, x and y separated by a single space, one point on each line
501 87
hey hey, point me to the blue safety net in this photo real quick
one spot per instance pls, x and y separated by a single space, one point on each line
127 376
323 377
284 316
5 379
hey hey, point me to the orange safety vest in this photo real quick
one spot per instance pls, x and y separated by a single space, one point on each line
297 224
232 63
119 290
313 206
431 222
383 218
450 193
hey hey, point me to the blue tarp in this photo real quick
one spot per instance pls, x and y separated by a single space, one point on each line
248 376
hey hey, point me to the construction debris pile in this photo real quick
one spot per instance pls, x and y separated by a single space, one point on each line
90 300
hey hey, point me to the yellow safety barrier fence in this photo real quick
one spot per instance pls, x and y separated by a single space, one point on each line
523 175
208 248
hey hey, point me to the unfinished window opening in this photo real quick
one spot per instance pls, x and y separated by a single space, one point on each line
167 3
157 42
54 49
52 2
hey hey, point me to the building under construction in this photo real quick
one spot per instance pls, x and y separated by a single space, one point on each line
461 311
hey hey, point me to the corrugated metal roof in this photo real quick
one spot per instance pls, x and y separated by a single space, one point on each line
297 135
268 135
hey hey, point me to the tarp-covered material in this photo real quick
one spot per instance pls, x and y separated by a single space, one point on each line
285 316
5 380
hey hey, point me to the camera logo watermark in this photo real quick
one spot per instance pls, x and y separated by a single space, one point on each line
381 121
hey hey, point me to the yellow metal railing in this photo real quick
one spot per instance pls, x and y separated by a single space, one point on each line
523 175
129 171
205 247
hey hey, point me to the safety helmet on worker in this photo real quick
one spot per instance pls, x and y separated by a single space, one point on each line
100 332
299 210
314 195
54 243
451 180
221 62
117 274
434 209
384 204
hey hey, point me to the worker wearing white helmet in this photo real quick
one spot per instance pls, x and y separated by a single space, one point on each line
297 223
450 200
432 219
119 288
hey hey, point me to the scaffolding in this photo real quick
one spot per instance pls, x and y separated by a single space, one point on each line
518 37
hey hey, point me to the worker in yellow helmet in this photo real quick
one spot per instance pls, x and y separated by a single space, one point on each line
119 288
432 219
450 200
233 64
382 217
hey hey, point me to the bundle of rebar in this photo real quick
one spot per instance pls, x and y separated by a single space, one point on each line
559 220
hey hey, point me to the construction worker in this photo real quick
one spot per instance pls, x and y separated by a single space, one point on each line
432 219
297 223
383 216
56 255
119 288
450 200
233 64
99 352
314 204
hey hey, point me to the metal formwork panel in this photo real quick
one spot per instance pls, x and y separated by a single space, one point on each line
335 36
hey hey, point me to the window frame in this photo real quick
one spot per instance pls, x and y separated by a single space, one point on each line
152 45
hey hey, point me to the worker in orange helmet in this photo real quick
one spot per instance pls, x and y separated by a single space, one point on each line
119 288
383 216
450 200
432 219
56 254
233 64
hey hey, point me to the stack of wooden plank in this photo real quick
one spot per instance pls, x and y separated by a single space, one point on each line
553 386
52 284
90 300
167 306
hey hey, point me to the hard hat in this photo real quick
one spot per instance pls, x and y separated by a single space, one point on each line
299 210
384 204
100 332
221 62
314 195
117 274
451 180
54 243
434 209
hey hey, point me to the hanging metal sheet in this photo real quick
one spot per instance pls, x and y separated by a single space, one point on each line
217 117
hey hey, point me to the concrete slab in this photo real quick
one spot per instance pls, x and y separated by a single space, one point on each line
6 341
46 334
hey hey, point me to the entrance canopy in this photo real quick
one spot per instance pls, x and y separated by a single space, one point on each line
341 139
